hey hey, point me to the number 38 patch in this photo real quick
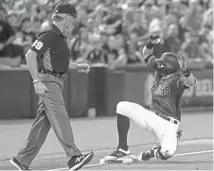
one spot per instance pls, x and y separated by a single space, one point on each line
37 44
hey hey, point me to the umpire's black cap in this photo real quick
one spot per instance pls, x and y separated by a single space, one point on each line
65 8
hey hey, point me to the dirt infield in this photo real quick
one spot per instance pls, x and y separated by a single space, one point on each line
195 150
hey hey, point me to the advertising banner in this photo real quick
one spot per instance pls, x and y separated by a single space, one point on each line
202 93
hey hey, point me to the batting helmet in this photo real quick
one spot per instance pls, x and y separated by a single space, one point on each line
168 64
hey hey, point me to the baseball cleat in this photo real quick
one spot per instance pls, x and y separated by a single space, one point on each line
18 165
145 156
118 156
118 153
77 162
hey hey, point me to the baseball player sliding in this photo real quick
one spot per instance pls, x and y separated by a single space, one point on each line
163 119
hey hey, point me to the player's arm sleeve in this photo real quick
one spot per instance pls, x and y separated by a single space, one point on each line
149 58
187 82
42 44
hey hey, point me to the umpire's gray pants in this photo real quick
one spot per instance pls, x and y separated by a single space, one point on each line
51 113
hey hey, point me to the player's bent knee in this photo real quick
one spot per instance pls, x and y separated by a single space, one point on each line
167 154
121 108
128 109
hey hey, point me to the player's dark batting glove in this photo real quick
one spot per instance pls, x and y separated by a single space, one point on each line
153 39
179 134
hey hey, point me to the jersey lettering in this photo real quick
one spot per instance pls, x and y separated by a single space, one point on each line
166 96
37 44
154 85
164 103
167 90
162 90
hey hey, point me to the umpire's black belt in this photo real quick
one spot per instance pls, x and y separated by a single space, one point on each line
172 120
58 75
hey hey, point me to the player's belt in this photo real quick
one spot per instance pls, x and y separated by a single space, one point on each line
58 75
172 120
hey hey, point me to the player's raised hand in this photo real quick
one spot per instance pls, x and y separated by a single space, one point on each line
84 68
182 61
154 38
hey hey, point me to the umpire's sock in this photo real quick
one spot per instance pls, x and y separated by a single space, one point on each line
123 125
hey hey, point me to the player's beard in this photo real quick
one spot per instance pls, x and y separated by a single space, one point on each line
165 71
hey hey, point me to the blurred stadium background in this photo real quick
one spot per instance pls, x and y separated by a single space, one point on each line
109 35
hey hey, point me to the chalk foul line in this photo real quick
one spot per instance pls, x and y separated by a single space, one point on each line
176 155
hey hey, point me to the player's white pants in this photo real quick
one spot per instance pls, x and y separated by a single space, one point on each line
165 131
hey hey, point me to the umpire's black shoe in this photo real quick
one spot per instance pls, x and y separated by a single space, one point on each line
76 162
18 165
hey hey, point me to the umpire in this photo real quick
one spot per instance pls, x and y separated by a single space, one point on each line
48 63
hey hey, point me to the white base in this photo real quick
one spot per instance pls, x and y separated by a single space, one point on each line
125 160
